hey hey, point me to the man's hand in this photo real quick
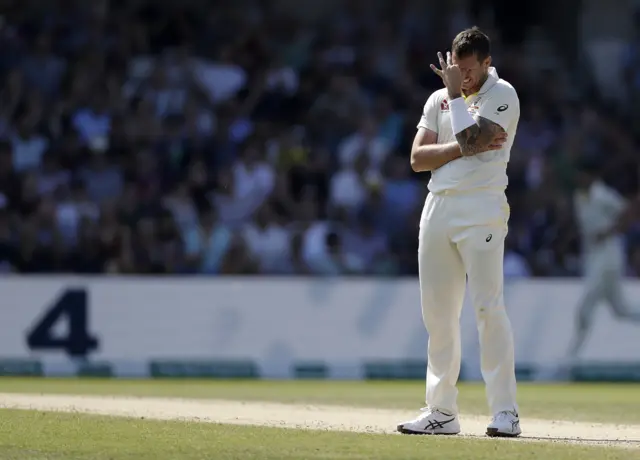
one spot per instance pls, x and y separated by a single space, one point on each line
600 237
498 140
450 74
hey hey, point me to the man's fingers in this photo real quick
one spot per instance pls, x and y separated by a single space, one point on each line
441 60
497 143
449 58
437 71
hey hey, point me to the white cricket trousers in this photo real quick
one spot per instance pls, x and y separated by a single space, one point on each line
604 276
462 237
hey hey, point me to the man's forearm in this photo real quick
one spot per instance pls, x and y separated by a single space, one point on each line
622 223
434 156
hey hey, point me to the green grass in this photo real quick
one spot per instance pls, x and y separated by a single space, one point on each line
577 402
49 436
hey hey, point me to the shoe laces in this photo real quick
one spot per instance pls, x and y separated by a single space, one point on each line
504 415
430 410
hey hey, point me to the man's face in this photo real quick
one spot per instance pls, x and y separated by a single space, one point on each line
473 71
99 104
583 180
208 219
25 127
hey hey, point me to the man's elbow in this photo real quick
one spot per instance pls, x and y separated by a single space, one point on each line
418 163
415 164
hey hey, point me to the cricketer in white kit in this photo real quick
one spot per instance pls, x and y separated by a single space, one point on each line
464 138
602 214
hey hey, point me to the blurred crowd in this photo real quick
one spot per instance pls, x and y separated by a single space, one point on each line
230 138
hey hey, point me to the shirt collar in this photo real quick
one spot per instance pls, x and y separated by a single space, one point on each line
492 79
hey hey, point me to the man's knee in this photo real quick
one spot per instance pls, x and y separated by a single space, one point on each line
487 295
586 308
492 316
620 310
441 322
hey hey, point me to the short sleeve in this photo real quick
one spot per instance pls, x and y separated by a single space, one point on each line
612 199
501 107
429 119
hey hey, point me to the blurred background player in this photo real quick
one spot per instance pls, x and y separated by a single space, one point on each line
603 215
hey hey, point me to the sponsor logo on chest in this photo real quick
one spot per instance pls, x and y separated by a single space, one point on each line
474 107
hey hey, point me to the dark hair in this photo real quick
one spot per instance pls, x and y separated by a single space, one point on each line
589 164
6 148
472 41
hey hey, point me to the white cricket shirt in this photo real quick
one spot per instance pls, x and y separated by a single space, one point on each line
497 101
597 210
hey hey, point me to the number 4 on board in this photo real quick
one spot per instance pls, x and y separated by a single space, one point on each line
77 342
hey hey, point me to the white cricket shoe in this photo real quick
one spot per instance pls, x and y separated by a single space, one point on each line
431 421
505 424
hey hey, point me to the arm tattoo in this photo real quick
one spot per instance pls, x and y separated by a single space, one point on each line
476 138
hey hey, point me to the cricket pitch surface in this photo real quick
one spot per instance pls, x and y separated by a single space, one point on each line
310 417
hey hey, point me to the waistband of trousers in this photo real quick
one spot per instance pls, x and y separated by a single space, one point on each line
471 192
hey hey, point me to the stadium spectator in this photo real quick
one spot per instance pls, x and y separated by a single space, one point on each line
238 138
